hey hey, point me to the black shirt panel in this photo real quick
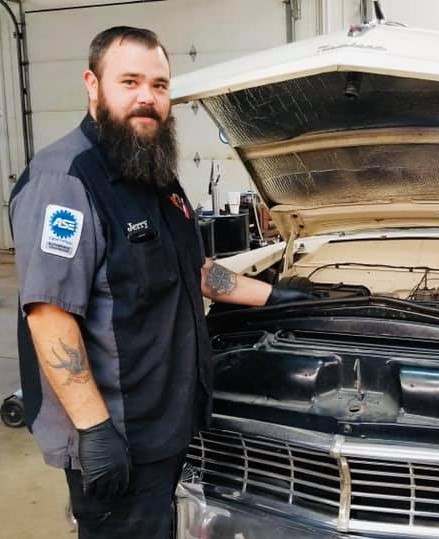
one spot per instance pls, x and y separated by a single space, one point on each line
158 318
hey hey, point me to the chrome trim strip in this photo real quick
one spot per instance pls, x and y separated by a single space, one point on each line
390 451
393 529
203 455
414 453
303 438
246 465
344 513
292 476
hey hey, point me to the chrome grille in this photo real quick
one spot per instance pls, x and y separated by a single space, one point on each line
358 493
401 493
267 467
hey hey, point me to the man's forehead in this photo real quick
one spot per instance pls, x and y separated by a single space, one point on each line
133 56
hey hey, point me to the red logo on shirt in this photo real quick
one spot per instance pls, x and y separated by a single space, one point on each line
179 203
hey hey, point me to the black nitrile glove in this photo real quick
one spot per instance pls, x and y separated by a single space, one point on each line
284 293
104 461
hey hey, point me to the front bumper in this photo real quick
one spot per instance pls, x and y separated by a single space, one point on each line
202 517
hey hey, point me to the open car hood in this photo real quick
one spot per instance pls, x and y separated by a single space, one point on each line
339 132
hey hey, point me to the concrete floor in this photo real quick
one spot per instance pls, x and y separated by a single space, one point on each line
33 496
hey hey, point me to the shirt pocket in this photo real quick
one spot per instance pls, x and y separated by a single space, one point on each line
153 272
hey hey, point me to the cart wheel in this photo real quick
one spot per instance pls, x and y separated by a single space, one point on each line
12 412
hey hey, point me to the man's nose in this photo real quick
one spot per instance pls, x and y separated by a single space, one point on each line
145 96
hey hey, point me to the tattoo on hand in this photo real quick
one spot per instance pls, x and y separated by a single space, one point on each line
75 363
220 280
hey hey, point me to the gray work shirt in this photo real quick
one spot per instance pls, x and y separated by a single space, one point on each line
78 233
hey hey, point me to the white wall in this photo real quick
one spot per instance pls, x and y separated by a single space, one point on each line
218 29
340 15
419 13
11 136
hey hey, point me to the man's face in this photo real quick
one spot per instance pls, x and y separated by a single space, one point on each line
130 103
134 87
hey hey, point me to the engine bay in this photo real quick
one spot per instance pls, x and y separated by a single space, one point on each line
353 374
405 268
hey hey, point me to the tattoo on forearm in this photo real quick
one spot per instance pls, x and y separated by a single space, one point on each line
74 362
220 280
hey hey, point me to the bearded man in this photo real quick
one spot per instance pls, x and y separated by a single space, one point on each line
114 351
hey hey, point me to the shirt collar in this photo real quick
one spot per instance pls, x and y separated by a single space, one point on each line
89 127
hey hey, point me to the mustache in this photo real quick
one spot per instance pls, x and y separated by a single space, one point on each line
145 112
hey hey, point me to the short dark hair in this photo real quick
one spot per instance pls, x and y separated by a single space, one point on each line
101 43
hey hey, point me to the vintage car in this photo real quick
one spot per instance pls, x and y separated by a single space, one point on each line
326 412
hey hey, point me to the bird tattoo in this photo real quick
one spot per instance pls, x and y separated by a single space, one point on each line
75 363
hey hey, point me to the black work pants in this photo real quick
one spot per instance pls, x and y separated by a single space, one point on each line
144 512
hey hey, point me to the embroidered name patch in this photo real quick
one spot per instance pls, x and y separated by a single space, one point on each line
62 231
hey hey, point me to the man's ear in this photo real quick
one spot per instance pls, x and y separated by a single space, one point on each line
92 85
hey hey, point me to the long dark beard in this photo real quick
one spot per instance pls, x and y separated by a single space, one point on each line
137 158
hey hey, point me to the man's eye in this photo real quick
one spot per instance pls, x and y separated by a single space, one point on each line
129 82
